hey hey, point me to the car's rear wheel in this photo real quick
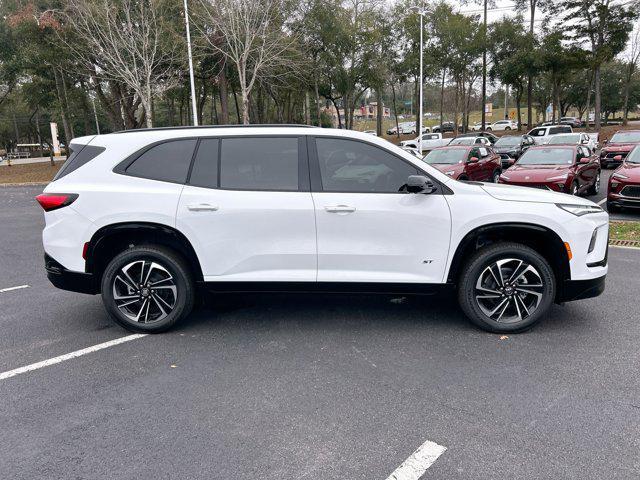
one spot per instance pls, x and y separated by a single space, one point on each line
147 289
507 128
506 287
595 188
488 129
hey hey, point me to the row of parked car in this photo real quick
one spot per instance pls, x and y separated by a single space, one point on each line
544 158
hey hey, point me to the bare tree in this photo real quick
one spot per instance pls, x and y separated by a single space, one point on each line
631 63
127 42
254 40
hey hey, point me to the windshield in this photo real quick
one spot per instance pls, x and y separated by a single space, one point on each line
634 156
566 139
463 141
508 141
448 157
547 156
626 137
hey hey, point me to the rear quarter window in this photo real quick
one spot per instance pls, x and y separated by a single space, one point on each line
79 155
168 161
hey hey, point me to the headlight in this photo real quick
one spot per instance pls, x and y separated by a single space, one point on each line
450 172
619 175
579 210
558 177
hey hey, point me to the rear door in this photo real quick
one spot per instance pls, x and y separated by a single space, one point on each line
369 228
248 211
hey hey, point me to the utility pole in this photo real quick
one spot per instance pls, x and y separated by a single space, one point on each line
193 85
420 11
506 99
484 68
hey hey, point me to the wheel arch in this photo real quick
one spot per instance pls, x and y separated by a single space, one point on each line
112 239
542 239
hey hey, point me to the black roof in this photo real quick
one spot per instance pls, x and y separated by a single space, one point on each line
256 125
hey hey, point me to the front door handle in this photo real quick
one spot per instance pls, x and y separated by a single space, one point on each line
340 209
202 207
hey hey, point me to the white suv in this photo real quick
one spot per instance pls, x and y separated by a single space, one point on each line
502 125
150 218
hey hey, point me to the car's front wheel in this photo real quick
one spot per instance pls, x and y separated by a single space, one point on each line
147 289
496 176
506 287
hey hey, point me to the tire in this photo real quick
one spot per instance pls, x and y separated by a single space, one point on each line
574 189
168 302
496 176
595 188
506 129
488 129
507 312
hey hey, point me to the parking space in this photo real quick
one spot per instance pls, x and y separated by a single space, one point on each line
318 387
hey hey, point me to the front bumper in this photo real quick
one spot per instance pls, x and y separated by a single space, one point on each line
581 289
64 279
551 186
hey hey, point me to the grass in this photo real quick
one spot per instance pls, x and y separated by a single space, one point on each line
627 231
32 172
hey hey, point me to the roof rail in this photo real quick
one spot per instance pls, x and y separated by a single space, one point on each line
256 125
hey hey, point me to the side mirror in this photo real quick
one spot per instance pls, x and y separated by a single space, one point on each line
473 159
420 184
584 160
618 158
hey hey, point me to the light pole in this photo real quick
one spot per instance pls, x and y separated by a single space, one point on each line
193 85
420 11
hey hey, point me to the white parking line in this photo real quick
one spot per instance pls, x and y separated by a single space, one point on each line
69 356
602 201
418 463
2 290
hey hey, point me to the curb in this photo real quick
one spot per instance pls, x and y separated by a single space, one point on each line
24 184
625 243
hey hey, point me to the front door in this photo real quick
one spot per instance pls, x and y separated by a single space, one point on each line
369 228
248 212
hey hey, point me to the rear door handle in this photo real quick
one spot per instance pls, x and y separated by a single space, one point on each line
202 207
340 209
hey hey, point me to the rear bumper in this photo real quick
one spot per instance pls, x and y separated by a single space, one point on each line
64 279
581 289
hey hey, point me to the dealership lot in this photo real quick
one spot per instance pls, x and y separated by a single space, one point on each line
311 386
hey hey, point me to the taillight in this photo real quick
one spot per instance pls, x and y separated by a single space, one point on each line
52 201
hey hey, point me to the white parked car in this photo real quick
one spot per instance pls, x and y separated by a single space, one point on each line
574 139
502 125
470 141
541 135
429 142
151 218
406 128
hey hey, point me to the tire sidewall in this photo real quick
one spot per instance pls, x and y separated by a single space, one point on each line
488 256
174 266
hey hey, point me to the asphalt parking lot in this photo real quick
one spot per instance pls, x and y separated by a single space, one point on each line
314 387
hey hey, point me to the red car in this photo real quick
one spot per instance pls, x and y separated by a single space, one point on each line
466 162
624 184
562 168
616 150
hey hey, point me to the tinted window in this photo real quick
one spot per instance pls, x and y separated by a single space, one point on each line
560 129
205 166
350 166
259 163
537 132
168 162
79 155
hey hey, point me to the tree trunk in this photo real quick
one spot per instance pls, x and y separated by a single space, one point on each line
315 86
625 102
395 109
235 99
456 109
598 97
245 106
223 91
518 109
307 108
63 106
335 105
